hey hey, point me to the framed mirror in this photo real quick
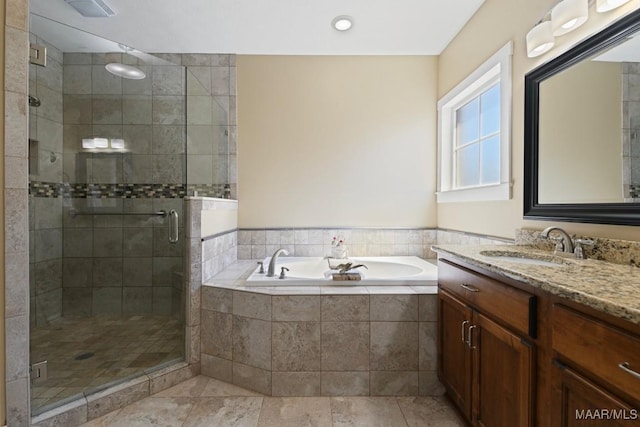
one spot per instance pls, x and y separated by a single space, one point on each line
582 131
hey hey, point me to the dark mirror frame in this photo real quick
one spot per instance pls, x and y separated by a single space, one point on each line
598 213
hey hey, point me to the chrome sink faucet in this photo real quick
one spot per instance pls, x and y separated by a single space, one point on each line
564 243
274 258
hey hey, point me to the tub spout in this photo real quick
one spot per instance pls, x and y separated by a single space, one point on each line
274 258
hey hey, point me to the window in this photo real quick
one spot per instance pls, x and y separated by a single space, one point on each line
474 134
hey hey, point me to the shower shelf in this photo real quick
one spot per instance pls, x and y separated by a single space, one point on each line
74 213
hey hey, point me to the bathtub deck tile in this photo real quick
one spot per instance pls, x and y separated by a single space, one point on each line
429 290
343 290
390 290
294 290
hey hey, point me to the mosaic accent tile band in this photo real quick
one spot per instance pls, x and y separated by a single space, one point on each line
125 191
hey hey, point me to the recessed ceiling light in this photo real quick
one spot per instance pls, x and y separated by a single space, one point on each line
342 23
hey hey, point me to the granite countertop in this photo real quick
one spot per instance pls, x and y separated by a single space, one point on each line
604 286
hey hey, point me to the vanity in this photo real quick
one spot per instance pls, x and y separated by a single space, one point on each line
548 343
527 338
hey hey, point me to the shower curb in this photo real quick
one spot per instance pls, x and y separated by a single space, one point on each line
97 404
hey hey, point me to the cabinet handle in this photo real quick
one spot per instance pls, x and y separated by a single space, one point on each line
465 323
469 287
470 342
627 368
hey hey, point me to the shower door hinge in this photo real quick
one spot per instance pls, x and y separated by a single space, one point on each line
38 371
38 55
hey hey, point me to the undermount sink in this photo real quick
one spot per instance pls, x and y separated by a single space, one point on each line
522 258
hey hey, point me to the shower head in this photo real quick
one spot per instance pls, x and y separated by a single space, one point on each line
34 101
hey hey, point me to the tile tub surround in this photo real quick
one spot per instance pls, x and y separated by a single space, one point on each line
259 243
206 257
334 341
605 286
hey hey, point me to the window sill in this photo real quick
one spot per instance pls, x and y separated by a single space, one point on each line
476 194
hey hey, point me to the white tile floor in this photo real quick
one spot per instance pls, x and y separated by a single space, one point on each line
204 401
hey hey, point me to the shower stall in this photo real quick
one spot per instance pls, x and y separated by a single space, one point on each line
111 131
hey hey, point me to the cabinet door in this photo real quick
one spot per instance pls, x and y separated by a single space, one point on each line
503 364
454 359
579 402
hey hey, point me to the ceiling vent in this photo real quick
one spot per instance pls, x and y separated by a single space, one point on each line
92 8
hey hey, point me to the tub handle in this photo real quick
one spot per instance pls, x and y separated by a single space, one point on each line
282 272
173 226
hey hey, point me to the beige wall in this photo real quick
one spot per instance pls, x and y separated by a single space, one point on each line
581 120
496 22
336 141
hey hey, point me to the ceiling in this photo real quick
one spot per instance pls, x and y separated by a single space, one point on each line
275 27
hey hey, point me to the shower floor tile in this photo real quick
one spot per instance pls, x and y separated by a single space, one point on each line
86 353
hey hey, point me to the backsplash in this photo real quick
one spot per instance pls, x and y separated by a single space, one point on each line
604 249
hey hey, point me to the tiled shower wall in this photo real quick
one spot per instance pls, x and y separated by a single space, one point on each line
211 124
88 265
16 212
45 164
149 114
631 131
122 264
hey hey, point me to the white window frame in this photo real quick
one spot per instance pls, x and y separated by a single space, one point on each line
495 69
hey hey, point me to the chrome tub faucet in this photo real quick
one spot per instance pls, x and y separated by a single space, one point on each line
274 258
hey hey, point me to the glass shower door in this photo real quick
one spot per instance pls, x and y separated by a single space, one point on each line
107 182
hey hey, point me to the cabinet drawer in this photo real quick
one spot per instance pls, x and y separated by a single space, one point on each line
597 348
502 302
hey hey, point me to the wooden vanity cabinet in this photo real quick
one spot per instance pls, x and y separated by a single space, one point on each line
454 355
596 369
485 353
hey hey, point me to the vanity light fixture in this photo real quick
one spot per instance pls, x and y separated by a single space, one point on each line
540 39
342 23
607 5
568 15
565 16
125 71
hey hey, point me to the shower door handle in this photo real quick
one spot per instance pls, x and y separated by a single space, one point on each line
173 226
